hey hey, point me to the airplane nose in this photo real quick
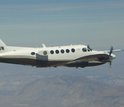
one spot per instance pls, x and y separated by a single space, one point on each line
113 56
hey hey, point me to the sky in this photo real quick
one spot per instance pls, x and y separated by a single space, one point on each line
57 22
98 23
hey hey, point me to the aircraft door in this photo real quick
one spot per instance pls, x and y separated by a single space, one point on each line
42 55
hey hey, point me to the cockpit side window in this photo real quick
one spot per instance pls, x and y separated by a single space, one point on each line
89 49
84 50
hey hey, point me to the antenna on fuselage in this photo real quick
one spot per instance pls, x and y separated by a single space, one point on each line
43 45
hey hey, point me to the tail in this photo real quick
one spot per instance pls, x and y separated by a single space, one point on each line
3 46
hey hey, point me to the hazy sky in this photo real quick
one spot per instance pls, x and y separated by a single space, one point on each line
55 22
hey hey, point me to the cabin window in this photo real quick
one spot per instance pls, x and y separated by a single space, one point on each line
57 51
45 53
88 49
73 50
2 48
52 52
62 51
84 49
67 50
32 53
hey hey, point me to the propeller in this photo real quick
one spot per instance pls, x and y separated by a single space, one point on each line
111 51
110 63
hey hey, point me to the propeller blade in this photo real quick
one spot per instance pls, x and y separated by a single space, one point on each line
110 63
111 51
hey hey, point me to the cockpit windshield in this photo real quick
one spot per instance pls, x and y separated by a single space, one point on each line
88 47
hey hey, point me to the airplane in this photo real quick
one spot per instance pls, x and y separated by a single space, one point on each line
69 55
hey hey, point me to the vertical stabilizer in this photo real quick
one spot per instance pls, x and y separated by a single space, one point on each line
3 46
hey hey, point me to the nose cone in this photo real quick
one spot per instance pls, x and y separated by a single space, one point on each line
113 56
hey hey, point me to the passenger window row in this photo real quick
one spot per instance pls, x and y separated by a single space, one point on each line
68 51
62 51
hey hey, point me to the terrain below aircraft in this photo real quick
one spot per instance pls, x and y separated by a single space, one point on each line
69 55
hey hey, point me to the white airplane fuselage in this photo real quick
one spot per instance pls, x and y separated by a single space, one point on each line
70 56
